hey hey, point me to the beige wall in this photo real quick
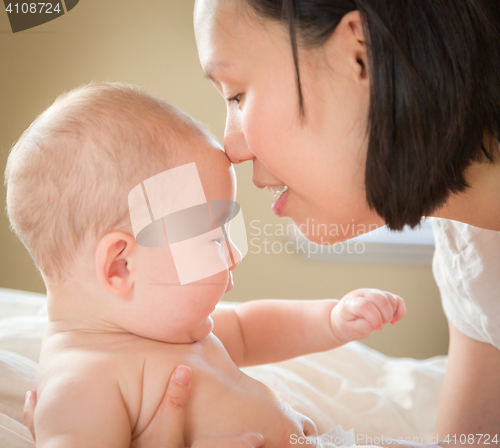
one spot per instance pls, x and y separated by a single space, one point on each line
151 44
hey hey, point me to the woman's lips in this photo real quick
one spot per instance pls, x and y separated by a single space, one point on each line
279 205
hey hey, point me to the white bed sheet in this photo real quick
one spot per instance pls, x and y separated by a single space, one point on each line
353 386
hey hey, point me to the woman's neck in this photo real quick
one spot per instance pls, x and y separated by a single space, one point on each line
479 205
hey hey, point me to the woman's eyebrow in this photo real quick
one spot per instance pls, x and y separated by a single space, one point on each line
211 66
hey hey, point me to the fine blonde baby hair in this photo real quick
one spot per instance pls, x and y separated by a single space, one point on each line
69 174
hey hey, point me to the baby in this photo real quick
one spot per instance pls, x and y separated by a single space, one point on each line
115 332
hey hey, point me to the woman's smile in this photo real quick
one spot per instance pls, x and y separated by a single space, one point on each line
279 205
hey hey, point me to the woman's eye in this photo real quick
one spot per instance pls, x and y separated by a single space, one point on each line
235 99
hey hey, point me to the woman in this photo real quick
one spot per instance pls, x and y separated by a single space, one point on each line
373 112
378 112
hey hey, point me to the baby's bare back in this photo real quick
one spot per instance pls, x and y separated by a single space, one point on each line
131 375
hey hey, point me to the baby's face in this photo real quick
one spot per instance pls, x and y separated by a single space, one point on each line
175 312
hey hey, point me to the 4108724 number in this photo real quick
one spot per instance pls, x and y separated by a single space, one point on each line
33 8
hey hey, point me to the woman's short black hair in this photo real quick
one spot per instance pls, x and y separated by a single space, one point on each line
434 95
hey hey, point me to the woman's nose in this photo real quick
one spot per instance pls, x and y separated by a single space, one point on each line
235 145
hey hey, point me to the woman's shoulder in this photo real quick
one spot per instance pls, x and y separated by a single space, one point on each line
465 267
459 235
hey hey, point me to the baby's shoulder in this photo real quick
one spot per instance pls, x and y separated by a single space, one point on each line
81 361
102 369
128 369
79 386
160 359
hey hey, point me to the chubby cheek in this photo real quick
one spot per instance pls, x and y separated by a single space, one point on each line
165 310
200 298
208 293
155 266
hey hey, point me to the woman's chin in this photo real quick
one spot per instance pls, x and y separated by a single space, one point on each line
324 240
317 233
338 230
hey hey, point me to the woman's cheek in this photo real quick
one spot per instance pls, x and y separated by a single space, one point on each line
264 130
250 125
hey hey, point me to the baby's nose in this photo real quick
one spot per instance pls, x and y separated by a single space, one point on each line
234 257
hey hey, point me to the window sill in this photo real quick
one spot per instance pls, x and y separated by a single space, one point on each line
414 247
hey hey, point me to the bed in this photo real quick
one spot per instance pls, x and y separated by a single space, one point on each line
354 386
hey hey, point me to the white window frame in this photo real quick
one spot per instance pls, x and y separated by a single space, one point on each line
379 246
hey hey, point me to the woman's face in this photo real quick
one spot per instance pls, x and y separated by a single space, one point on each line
322 158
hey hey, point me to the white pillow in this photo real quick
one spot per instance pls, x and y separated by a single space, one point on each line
23 319
13 434
17 377
22 303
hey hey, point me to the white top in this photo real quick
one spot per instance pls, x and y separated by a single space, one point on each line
466 266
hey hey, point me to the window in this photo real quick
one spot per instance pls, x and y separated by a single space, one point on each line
379 246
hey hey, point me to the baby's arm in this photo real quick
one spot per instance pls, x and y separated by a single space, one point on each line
81 411
265 331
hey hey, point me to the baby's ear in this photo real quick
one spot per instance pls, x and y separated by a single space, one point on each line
111 261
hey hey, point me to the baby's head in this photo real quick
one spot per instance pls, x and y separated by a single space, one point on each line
68 180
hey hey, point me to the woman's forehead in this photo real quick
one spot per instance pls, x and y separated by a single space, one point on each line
227 33
217 27
220 9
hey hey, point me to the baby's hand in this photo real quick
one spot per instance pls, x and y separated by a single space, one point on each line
363 311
